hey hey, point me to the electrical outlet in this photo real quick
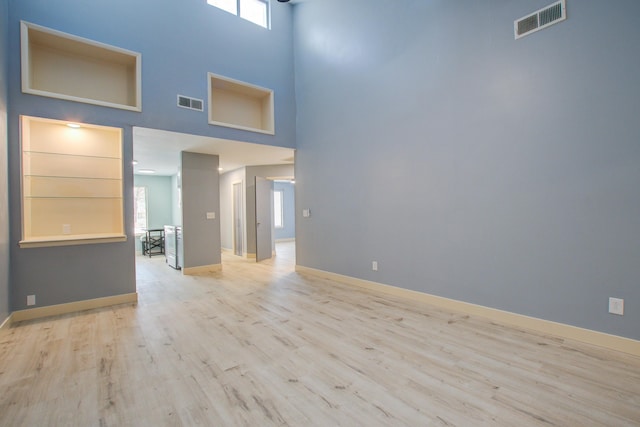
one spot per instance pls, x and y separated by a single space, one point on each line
374 265
31 300
66 228
211 215
616 306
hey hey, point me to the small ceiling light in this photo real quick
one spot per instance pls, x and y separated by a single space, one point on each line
293 181
135 162
220 169
73 125
146 171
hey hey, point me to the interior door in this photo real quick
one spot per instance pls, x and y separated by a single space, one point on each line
238 223
264 188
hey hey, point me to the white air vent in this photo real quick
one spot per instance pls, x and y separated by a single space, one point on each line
543 18
190 103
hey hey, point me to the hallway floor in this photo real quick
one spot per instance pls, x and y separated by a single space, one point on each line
260 345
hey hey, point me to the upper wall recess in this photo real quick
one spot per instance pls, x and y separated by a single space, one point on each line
240 105
61 65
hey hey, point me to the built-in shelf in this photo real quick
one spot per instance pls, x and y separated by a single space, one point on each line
61 65
71 183
240 105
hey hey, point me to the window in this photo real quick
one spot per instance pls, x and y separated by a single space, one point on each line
140 209
256 11
230 6
278 209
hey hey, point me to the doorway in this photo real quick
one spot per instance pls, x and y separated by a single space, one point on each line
275 215
238 220
264 222
284 212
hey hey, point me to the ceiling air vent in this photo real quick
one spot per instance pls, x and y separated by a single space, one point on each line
190 103
543 18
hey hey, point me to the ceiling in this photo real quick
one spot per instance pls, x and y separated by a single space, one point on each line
160 151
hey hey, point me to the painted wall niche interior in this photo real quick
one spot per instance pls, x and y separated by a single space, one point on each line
71 183
240 105
60 65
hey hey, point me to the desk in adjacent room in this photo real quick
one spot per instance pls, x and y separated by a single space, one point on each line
154 242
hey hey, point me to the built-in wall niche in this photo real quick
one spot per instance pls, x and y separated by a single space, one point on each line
60 65
240 105
71 183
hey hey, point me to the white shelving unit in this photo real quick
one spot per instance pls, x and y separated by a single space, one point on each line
71 183
240 105
61 65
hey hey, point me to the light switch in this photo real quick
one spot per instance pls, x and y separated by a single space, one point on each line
306 213
211 215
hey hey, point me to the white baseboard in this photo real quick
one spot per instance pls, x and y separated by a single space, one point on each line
72 307
192 271
601 339
6 324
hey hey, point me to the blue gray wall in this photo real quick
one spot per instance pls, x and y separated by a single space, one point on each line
4 172
180 42
470 165
200 195
289 211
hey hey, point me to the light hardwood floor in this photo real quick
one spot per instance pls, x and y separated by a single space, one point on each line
261 345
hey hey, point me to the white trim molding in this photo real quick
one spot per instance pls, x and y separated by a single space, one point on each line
561 330
73 307
6 324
